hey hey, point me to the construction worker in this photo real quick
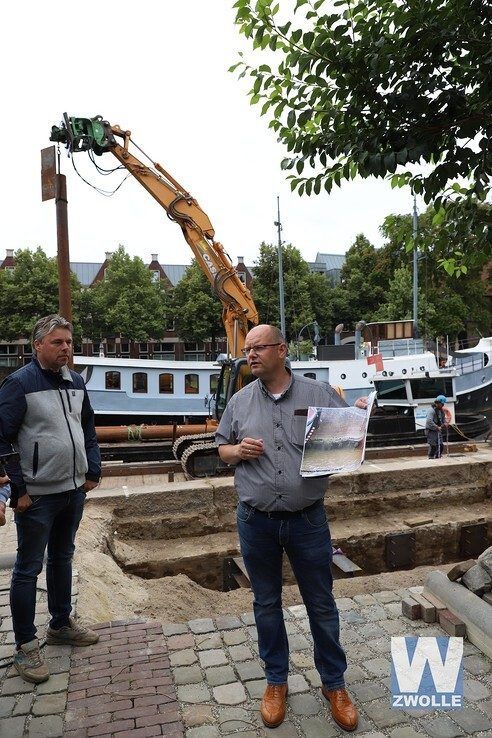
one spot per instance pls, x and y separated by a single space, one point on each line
434 423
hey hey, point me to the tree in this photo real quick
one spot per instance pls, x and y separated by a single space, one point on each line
370 88
361 278
127 302
197 310
297 288
30 291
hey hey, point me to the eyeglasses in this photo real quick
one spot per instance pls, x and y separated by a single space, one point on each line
259 348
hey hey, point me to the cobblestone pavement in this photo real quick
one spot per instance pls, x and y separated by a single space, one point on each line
203 679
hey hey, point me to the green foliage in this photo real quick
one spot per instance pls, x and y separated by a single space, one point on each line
297 288
127 302
378 88
196 309
29 292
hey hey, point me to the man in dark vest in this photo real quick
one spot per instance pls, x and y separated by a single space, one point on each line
434 424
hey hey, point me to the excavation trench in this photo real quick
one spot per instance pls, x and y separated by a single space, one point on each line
391 515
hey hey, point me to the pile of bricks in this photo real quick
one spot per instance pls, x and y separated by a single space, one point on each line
477 575
430 609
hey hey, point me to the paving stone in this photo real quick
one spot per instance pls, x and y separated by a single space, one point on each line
183 658
393 609
59 664
471 720
291 627
298 642
297 684
50 726
364 599
193 693
345 603
12 727
248 618
367 691
374 613
358 652
298 611
215 657
171 629
256 688
304 625
304 704
204 731
313 678
195 715
235 637
474 690
469 649
240 653
442 727
383 715
208 641
49 704
187 675
56 683
227 622
380 645
348 634
249 670
180 642
352 616
372 630
302 659
477 664
372 734
386 596
54 652
230 694
253 633
285 730
220 675
405 731
354 673
236 718
393 627
6 706
318 727
15 685
201 625
379 667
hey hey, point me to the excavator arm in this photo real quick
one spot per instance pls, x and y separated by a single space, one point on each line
239 313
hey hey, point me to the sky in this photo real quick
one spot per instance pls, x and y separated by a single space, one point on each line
160 70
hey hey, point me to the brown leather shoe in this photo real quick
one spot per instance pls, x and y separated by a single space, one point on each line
273 705
343 710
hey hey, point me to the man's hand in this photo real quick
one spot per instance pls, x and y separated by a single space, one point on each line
250 448
2 513
89 484
362 403
23 503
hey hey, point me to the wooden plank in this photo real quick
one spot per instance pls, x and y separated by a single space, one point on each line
238 560
343 563
457 571
418 520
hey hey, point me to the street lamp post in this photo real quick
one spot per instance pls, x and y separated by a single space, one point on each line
316 338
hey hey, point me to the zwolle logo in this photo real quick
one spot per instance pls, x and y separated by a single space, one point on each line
426 672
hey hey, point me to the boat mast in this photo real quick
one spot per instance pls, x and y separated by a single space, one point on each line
415 268
280 270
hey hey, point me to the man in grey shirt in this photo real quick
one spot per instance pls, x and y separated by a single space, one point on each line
262 433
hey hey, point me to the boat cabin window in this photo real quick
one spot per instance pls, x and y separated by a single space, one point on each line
166 384
214 380
113 380
430 387
191 384
392 389
140 382
310 375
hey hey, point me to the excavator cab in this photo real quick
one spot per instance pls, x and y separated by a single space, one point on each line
235 375
84 134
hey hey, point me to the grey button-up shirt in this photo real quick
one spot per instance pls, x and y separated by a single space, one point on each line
273 481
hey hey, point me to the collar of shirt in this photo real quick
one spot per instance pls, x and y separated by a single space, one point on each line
286 391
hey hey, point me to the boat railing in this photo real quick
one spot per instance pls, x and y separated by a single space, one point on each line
400 347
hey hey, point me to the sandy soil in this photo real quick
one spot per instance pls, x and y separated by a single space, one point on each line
107 593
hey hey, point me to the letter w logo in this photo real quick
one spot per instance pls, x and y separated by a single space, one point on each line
444 665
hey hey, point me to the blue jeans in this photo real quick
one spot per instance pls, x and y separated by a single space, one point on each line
52 520
307 542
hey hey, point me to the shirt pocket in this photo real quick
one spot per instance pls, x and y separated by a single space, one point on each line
298 430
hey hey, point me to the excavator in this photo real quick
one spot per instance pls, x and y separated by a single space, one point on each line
198 454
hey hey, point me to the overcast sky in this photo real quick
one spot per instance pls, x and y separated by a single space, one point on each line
160 70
